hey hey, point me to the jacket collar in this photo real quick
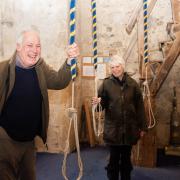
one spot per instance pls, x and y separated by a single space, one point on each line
12 65
115 78
125 78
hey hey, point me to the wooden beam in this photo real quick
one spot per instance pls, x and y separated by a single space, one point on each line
133 17
165 47
166 66
135 37
144 154
173 52
176 9
135 14
130 47
89 125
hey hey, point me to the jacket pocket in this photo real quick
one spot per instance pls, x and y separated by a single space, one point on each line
110 134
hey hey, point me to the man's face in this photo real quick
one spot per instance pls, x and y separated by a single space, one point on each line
117 70
30 49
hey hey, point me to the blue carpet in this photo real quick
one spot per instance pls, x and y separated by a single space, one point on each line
94 160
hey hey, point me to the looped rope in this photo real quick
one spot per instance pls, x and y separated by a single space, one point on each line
97 126
72 112
97 110
147 96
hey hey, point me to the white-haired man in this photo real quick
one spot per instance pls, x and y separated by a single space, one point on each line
24 108
125 120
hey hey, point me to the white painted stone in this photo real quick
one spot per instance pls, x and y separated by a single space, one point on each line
51 18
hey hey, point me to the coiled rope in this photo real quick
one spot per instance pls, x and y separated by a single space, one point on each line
95 109
146 90
72 112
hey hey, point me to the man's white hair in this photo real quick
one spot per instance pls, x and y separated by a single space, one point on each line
20 37
116 60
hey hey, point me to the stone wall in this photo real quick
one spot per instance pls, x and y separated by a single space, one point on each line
51 18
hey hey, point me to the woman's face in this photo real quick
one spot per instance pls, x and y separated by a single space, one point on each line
117 70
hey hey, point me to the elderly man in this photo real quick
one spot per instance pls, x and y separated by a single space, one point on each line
125 120
24 108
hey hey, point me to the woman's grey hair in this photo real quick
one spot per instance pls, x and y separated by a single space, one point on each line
20 37
116 60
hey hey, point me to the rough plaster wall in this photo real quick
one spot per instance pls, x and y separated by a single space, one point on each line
112 17
162 15
164 104
50 17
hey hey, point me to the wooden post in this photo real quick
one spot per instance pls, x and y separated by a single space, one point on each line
134 17
135 14
145 152
135 36
174 50
176 9
166 66
90 132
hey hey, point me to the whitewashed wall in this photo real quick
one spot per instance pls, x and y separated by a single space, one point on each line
112 17
51 18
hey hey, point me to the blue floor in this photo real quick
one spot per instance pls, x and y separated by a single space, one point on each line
94 160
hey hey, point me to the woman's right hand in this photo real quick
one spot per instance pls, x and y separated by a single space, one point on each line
96 100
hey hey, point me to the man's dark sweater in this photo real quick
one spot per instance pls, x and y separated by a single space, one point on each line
21 115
